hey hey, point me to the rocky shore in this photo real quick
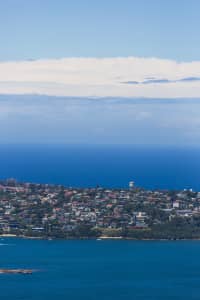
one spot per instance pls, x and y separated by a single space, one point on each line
16 271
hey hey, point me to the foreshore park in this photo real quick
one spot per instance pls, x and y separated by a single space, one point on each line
55 211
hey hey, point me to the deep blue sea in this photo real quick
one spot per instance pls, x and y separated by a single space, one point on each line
101 270
110 270
109 166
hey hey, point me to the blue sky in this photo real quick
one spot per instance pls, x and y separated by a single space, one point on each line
92 28
115 56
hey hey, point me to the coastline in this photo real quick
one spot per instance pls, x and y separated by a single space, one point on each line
100 238
58 212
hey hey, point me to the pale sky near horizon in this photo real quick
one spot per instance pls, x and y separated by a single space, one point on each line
51 120
96 50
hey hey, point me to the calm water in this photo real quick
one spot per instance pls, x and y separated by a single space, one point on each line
114 166
101 270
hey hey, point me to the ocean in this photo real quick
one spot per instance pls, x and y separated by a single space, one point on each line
152 167
101 270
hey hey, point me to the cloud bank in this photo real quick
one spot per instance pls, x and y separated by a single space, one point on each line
102 77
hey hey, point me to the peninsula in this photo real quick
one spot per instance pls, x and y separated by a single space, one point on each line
55 211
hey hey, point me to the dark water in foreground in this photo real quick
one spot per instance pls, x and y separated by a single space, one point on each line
109 166
100 270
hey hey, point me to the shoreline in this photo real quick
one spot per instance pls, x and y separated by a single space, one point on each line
101 238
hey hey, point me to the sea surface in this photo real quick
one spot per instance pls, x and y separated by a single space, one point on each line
108 166
101 270
90 269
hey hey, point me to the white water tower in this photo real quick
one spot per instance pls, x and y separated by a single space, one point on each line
131 185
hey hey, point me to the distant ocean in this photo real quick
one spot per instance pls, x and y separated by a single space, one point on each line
108 166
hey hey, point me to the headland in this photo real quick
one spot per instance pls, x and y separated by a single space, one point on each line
55 211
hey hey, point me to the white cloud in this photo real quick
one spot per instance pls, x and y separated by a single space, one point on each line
102 77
